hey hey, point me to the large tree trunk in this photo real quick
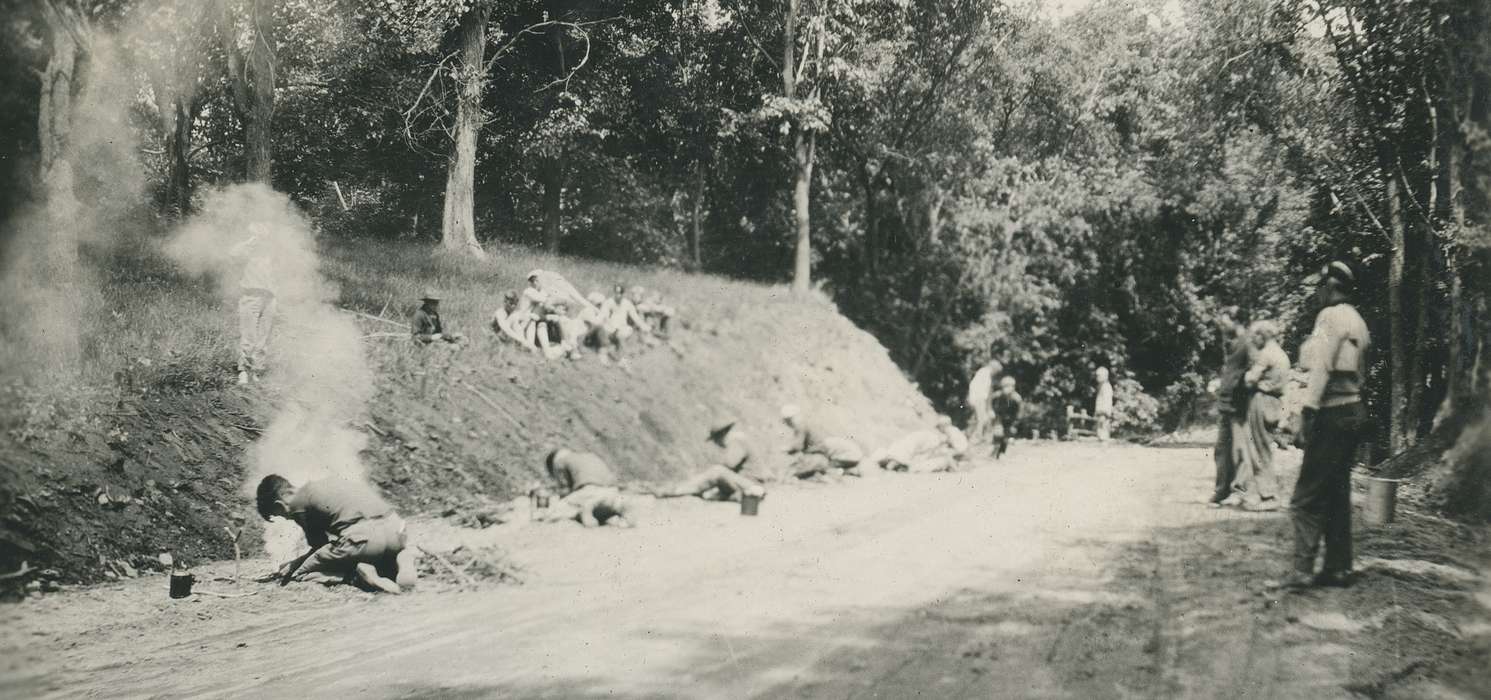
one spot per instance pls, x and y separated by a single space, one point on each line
61 83
251 80
458 224
178 155
801 198
553 179
1398 412
867 179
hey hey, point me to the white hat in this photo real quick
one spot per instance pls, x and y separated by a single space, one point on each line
790 411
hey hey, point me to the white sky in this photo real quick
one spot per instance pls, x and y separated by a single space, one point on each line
1059 9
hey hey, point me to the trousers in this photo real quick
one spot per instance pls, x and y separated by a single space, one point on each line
255 321
1321 506
1225 457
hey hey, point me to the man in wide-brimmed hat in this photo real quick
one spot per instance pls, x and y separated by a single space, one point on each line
1333 422
427 327
732 474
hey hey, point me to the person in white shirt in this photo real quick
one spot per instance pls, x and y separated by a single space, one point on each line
1102 408
256 301
980 393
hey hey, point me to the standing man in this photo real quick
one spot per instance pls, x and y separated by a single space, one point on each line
255 302
1333 420
1231 411
427 326
980 391
1102 408
1006 407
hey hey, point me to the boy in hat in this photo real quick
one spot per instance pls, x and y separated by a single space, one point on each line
427 327
1333 424
353 534
733 471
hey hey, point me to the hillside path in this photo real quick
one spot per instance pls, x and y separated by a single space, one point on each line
1062 571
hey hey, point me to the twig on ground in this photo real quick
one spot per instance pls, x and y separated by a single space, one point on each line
235 535
247 427
385 335
226 595
371 317
374 428
25 569
465 577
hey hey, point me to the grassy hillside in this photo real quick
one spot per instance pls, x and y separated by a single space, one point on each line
142 448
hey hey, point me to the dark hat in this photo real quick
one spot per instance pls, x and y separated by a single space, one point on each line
720 429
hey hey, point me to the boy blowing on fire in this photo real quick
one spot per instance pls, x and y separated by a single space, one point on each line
354 535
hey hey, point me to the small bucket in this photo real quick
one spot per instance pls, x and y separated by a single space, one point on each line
749 504
181 584
541 501
1382 500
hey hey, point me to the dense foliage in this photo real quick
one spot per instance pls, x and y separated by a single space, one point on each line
977 177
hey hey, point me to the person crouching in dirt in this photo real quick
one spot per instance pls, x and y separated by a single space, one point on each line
1332 425
731 475
427 327
255 302
588 490
815 451
353 534
1006 407
657 314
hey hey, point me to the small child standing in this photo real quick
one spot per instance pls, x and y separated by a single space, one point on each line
1103 408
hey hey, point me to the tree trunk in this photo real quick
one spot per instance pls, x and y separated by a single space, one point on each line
251 81
62 81
696 219
458 223
801 192
872 221
1398 413
178 154
553 177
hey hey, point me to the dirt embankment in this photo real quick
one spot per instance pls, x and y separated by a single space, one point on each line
97 488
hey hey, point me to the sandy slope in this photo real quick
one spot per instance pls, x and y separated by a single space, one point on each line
1067 571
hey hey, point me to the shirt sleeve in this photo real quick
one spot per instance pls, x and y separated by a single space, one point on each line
1326 340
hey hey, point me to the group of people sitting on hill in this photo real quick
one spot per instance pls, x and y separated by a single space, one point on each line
551 317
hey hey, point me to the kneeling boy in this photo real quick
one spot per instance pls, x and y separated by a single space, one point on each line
353 533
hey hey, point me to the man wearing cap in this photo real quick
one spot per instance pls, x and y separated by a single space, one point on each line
1333 422
427 327
733 471
255 302
980 391
815 450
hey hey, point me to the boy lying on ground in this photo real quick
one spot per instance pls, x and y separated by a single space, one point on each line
354 535
588 490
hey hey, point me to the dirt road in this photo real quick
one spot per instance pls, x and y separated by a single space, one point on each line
1062 571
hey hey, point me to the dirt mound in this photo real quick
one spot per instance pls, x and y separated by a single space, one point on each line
97 485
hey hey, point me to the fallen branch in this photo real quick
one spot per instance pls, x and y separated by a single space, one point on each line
385 335
371 317
226 595
465 577
25 569
247 427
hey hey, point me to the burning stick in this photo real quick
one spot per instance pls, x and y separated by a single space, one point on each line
234 535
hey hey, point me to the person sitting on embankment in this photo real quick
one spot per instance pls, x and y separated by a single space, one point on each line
515 324
427 327
588 490
732 474
353 534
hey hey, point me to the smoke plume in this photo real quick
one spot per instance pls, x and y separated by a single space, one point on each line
316 364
